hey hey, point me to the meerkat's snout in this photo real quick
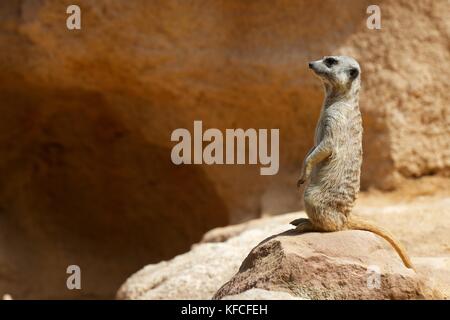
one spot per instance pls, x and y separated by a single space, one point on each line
313 65
317 67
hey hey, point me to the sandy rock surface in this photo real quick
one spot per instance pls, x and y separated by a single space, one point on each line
338 265
312 265
261 294
86 176
197 274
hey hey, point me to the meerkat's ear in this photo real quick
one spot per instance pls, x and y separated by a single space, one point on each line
353 72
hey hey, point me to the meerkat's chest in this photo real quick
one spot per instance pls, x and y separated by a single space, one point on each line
344 126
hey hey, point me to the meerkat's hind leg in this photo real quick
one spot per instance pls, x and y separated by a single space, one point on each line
298 221
303 225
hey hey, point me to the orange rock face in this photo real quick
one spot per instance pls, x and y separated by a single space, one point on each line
86 176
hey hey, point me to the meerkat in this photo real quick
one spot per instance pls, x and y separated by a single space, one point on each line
333 165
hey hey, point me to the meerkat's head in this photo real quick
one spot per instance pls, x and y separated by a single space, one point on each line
340 74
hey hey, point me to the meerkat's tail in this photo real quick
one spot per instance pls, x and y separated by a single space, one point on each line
356 223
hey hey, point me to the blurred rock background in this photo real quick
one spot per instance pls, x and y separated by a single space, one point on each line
86 118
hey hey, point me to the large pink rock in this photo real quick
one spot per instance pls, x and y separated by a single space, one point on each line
338 265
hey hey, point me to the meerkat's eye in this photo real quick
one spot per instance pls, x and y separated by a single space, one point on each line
353 72
329 62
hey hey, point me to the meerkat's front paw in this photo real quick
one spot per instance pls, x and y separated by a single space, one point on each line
300 182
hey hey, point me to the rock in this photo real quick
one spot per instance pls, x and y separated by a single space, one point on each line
337 265
87 116
217 258
260 294
420 221
199 273
193 275
436 271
